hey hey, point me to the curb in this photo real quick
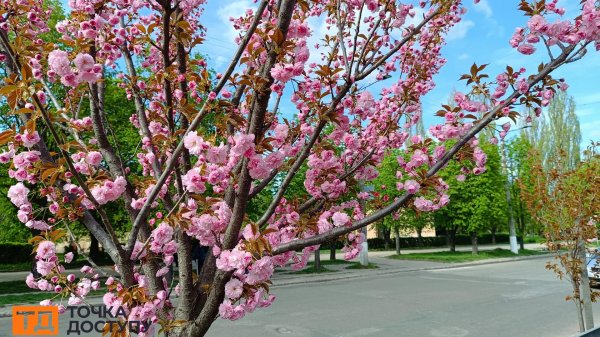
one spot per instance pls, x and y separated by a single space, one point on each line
390 271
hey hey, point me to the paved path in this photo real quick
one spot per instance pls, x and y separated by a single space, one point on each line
519 298
410 298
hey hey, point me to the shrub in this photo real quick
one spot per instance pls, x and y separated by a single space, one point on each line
13 252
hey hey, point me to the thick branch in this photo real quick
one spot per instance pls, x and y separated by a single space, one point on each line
394 206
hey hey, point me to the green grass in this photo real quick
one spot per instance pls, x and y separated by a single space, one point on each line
9 267
312 270
26 266
37 297
329 262
15 287
357 265
456 257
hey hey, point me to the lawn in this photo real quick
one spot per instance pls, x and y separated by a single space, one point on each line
357 265
456 257
26 266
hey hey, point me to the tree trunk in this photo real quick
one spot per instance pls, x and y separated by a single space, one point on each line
494 235
578 305
420 237
317 260
452 239
94 249
332 252
586 293
522 224
474 247
397 234
386 238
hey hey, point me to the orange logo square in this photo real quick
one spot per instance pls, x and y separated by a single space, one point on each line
34 320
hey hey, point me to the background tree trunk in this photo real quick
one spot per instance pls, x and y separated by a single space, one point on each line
94 249
397 234
332 251
386 238
494 229
451 235
420 237
474 246
318 260
522 224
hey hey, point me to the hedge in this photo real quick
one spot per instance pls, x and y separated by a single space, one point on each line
15 252
437 241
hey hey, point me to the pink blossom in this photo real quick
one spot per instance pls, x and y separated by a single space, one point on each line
193 181
45 250
194 143
526 49
340 219
84 62
244 145
58 61
30 139
69 257
233 259
233 289
260 271
411 186
109 190
18 194
44 267
93 158
162 234
282 73
231 312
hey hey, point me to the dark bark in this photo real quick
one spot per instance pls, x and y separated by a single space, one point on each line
332 252
94 249
318 260
420 237
451 236
397 234
494 229
386 238
474 243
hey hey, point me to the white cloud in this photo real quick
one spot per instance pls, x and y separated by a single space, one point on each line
459 31
233 9
464 56
484 7
590 130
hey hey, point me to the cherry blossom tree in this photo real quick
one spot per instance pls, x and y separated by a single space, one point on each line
210 144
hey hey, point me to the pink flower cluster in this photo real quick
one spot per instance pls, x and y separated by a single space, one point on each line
85 71
109 190
209 227
585 28
322 177
163 243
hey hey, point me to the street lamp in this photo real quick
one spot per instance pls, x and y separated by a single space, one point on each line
514 247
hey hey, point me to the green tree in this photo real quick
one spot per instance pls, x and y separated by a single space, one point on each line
406 220
478 203
557 131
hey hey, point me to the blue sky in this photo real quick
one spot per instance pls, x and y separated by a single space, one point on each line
481 37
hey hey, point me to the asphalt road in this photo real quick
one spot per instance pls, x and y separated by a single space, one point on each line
517 298
505 299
